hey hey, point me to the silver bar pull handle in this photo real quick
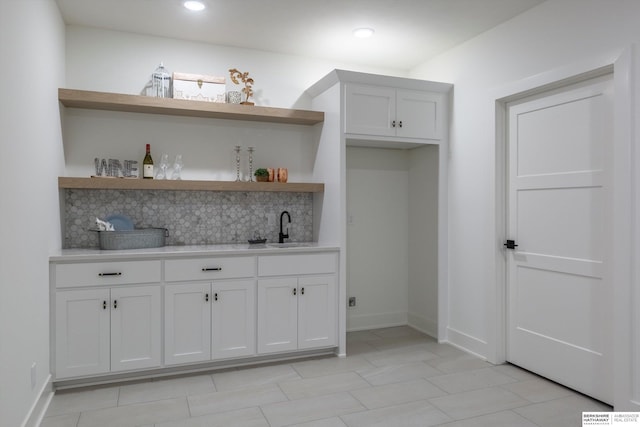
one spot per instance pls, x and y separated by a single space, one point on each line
212 269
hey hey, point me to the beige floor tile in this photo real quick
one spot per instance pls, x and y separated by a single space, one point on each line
515 372
564 412
415 414
538 390
398 356
83 400
397 341
312 409
329 366
318 386
390 377
362 336
357 348
499 419
254 377
223 401
444 350
136 415
327 422
478 402
398 331
397 393
249 417
398 373
449 365
66 420
470 380
165 389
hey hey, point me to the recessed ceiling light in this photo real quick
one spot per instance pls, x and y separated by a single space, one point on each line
194 5
363 33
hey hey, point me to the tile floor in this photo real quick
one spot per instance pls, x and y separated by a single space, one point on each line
392 377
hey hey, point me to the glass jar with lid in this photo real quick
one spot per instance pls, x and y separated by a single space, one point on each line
161 82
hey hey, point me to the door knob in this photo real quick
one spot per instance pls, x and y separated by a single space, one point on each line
510 244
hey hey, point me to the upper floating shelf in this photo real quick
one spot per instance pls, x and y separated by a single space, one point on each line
185 185
179 107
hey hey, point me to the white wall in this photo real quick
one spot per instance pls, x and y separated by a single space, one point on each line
556 34
32 52
112 61
377 236
392 237
122 62
423 238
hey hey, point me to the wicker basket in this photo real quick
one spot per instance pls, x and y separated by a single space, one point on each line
133 239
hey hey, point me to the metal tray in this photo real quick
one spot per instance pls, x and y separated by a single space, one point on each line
139 238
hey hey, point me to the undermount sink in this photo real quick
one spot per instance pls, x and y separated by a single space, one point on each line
292 245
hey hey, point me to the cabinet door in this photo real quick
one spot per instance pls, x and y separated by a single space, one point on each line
82 332
135 327
370 110
187 323
317 311
277 315
233 319
419 114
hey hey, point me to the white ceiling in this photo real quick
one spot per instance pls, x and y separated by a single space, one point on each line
408 32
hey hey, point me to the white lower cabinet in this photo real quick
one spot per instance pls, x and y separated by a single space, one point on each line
296 313
233 319
205 321
187 323
111 316
107 330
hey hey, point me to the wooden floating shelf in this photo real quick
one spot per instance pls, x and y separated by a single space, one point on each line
153 184
179 107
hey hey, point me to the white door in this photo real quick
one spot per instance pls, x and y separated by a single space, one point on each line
316 311
277 314
559 292
135 327
82 332
233 319
187 323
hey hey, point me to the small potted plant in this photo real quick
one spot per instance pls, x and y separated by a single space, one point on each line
262 175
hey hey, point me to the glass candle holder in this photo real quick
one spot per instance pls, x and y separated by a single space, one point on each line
250 150
237 150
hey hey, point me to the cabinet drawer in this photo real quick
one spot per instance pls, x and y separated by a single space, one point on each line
107 273
209 268
278 265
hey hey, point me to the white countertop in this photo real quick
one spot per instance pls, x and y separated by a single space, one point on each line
68 255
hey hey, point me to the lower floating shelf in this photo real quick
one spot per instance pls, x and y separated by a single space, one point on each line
99 183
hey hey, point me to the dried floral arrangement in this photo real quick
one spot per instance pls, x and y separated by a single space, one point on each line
236 77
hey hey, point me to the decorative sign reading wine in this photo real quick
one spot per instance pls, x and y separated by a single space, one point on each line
114 168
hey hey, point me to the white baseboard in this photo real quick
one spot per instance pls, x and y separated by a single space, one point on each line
467 343
40 406
424 325
364 322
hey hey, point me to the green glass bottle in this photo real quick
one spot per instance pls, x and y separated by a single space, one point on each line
147 164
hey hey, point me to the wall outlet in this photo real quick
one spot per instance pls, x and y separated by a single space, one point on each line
34 375
271 219
352 301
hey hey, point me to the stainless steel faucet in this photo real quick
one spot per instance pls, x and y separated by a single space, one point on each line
282 235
